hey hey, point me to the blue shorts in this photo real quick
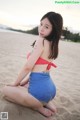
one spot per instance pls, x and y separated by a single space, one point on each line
41 86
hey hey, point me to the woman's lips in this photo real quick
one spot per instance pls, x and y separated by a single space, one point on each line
41 34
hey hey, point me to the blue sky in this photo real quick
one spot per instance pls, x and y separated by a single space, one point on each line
21 13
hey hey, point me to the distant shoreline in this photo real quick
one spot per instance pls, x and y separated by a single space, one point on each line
6 30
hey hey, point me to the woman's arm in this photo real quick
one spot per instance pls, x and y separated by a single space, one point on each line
38 49
24 72
21 77
25 81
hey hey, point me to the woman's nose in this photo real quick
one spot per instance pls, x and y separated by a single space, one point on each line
42 29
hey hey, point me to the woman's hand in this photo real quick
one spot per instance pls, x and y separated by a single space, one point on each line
24 82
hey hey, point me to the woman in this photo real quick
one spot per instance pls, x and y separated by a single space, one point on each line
38 90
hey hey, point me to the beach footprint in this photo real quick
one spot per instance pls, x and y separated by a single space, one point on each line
61 110
67 102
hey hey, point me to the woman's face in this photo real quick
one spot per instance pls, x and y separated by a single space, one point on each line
44 28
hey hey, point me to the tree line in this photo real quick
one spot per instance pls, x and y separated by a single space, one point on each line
69 36
75 37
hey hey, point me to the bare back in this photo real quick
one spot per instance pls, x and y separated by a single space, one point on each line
44 55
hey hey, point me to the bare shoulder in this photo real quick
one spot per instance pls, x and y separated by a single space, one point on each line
35 54
47 44
39 43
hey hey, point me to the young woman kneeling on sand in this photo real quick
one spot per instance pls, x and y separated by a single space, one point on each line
38 91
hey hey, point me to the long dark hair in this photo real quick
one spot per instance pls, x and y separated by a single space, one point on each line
57 23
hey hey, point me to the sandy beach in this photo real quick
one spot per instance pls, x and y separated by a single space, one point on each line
13 49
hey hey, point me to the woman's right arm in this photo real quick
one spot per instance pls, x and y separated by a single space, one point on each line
24 72
38 49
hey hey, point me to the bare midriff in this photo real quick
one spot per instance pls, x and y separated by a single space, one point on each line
40 68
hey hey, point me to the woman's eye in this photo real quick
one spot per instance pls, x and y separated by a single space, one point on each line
46 27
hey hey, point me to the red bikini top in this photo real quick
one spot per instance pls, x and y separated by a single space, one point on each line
43 61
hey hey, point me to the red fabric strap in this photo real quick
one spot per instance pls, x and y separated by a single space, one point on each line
43 61
49 65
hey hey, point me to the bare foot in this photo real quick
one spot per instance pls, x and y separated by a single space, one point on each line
44 111
51 106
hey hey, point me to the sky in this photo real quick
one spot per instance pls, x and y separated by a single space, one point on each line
21 14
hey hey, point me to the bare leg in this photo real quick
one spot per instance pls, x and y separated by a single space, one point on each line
9 99
21 96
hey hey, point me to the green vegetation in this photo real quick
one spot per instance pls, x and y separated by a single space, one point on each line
75 37
33 31
70 36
